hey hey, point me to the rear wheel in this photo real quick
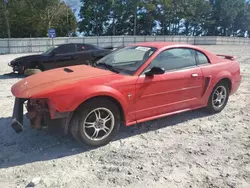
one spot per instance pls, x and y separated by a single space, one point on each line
96 122
218 98
40 66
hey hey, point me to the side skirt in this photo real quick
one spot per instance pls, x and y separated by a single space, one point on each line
163 115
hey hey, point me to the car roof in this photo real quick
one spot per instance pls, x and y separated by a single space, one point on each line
164 44
75 43
72 43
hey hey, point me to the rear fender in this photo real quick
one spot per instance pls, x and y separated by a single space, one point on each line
222 75
215 80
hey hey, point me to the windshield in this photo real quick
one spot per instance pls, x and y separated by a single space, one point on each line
127 60
49 50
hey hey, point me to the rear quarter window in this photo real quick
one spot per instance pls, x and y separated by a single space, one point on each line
202 58
84 47
80 47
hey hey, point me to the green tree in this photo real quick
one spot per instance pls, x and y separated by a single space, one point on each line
242 20
52 14
224 15
163 9
94 16
28 18
4 20
195 16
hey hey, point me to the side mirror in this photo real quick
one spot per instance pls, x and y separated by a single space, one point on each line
155 71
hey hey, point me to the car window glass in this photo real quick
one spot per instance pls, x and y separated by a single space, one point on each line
202 59
129 59
90 46
65 49
135 55
84 47
81 47
173 59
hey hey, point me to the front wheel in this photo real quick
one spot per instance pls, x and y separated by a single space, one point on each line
29 72
96 122
218 98
20 69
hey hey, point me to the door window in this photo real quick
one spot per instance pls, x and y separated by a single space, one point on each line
64 49
174 59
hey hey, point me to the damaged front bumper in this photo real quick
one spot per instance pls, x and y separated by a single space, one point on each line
16 67
39 115
17 117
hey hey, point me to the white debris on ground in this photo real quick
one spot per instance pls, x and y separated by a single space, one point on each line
192 149
34 182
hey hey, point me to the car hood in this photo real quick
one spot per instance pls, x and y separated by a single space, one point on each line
56 78
27 57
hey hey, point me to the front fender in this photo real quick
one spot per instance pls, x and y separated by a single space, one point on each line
75 97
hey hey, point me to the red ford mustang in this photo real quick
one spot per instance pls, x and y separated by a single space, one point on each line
140 82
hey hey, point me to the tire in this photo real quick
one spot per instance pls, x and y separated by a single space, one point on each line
40 66
103 129
29 72
74 128
216 107
21 70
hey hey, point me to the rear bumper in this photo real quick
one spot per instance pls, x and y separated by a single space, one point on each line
236 86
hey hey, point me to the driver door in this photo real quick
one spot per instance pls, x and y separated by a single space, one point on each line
179 88
62 56
65 55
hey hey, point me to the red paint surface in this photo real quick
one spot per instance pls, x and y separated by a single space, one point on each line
151 97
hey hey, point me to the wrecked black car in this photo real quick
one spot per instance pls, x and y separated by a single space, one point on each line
61 56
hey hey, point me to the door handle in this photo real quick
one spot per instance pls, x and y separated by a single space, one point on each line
195 75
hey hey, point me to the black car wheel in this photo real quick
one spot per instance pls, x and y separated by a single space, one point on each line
39 66
96 122
218 98
20 69
29 72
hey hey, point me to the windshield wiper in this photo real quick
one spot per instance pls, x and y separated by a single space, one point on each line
109 67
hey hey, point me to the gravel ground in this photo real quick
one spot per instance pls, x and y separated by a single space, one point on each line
192 149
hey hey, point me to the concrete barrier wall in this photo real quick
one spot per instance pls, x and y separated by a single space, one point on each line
26 45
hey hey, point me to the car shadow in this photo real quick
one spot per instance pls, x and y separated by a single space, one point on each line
11 75
33 146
